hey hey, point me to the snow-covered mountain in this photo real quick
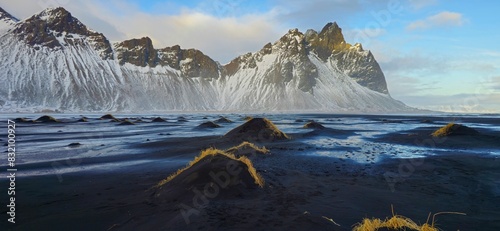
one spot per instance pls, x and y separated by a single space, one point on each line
53 61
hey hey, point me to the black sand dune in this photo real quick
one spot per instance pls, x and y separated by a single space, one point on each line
22 120
449 136
208 124
47 119
302 192
158 120
453 129
256 129
83 119
216 171
223 120
108 117
247 149
314 125
126 122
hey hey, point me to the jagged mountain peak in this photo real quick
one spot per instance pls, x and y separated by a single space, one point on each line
190 62
56 28
4 15
299 71
57 20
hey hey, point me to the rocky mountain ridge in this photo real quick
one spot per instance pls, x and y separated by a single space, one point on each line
293 65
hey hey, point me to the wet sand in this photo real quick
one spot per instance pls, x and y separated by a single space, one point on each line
300 189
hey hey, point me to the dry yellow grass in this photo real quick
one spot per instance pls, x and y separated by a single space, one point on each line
211 152
395 222
398 222
444 131
245 147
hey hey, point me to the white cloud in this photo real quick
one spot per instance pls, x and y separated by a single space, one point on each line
221 37
443 19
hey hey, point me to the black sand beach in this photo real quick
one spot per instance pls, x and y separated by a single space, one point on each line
395 165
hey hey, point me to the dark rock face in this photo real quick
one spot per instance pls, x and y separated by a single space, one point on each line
293 63
191 62
330 39
362 68
294 48
4 15
45 28
352 60
139 52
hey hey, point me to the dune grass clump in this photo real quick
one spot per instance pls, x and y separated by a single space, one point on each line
257 129
47 119
314 125
454 129
398 222
247 118
158 120
107 117
223 119
212 153
247 148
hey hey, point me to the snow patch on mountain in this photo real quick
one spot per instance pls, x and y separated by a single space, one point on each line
70 68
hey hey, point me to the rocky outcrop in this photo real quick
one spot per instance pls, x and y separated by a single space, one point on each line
352 60
139 52
78 70
6 16
55 27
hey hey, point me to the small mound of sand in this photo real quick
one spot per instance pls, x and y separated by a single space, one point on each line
83 119
214 174
247 149
214 160
314 125
22 120
107 117
158 120
208 124
74 145
126 122
223 120
260 129
453 129
47 119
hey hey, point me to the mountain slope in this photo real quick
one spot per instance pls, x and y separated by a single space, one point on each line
6 20
53 61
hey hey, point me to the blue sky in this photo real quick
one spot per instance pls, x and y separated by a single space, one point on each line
436 54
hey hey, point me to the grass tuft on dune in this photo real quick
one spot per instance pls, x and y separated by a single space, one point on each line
257 129
211 153
396 222
246 148
454 129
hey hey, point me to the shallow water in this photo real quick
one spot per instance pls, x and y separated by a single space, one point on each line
42 148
